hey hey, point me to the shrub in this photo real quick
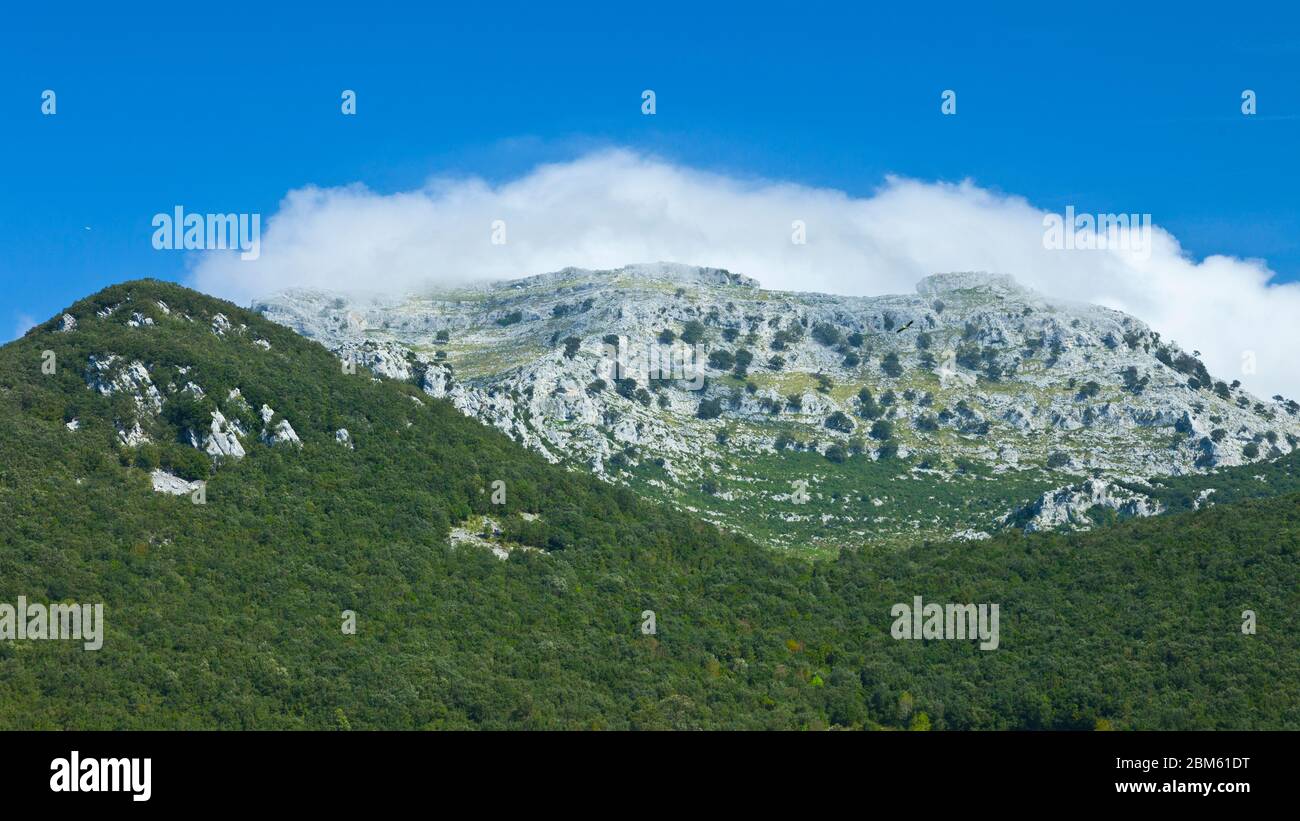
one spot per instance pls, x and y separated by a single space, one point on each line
838 421
693 332
721 359
827 334
1132 382
891 366
743 360
867 407
1090 390
709 409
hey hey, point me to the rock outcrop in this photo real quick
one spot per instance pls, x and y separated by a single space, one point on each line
1077 507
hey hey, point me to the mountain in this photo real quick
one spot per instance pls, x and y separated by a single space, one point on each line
531 613
814 422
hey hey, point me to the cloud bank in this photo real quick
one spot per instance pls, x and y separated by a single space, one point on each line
615 207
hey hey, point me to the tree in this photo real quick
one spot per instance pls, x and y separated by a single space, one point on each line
838 421
709 409
882 429
827 334
867 407
693 332
891 366
743 360
1132 383
721 359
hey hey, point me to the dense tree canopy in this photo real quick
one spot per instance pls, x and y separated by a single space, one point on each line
227 614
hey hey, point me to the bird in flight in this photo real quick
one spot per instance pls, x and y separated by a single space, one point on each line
905 327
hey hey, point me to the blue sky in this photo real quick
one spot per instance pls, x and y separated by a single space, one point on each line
1131 111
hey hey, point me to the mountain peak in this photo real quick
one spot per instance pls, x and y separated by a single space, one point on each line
663 271
696 274
936 284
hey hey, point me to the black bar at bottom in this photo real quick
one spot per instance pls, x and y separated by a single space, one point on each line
211 770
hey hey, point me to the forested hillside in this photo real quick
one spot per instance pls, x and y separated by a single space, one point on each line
228 614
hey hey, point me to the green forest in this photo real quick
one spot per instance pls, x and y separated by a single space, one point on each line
228 614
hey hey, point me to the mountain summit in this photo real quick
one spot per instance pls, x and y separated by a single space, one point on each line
856 397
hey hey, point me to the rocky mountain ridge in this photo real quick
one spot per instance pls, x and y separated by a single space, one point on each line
972 379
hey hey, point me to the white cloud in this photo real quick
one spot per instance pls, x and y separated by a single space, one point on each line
611 208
